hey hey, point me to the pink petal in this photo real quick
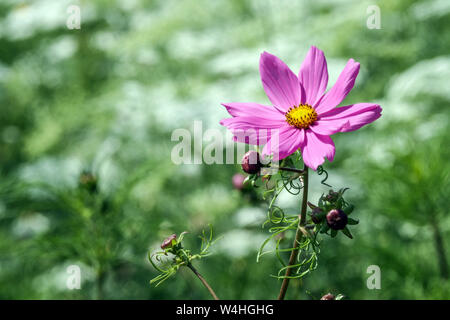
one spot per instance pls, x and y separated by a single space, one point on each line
299 140
341 88
313 75
283 143
330 127
252 122
257 137
351 117
238 109
315 148
280 83
252 129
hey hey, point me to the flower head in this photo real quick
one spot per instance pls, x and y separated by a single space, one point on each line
302 116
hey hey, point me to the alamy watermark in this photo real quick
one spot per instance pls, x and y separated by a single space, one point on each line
209 146
374 19
374 280
74 279
74 19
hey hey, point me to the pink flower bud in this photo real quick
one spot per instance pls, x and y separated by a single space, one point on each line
328 296
169 242
337 219
251 162
238 181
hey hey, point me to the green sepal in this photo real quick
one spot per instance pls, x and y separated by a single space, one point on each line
352 221
346 231
339 203
348 209
321 201
333 233
311 205
324 228
180 238
250 177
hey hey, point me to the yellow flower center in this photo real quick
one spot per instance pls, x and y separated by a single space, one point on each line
302 116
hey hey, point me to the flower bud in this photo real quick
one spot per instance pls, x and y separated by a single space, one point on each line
251 162
332 196
311 205
88 181
337 219
328 296
238 181
169 242
317 215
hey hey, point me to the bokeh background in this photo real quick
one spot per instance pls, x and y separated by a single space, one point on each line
85 142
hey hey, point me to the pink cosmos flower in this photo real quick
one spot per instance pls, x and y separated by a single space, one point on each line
302 116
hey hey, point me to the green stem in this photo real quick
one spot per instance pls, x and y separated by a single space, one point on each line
99 284
440 249
298 235
292 170
211 291
287 169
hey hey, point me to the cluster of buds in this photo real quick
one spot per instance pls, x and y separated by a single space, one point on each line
181 257
332 213
177 255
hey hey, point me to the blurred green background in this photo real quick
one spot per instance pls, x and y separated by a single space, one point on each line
105 99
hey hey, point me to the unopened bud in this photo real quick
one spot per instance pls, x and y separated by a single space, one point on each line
251 162
88 181
337 219
317 215
328 296
332 196
169 242
238 181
